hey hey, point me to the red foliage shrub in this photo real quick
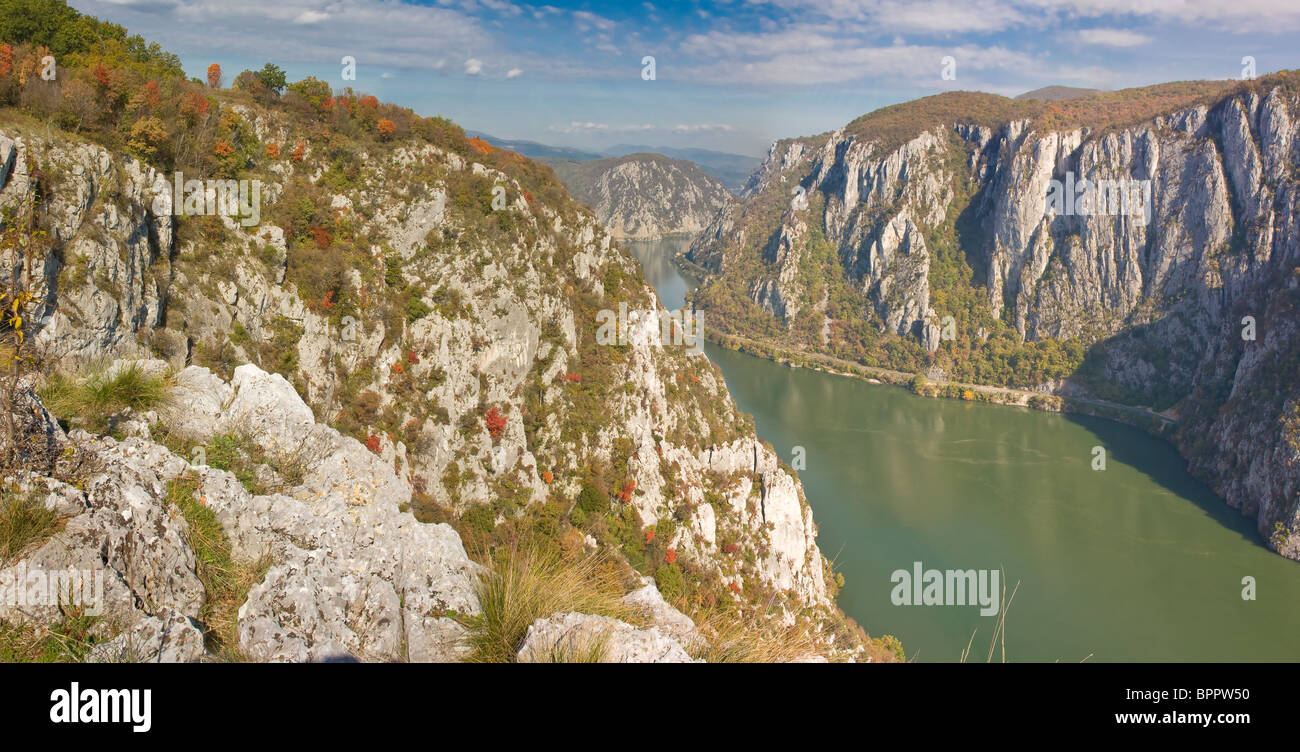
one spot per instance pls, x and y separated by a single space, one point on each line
547 477
369 101
735 588
731 548
411 357
626 494
322 237
372 443
573 377
480 146
649 534
671 556
496 422
327 303
299 152
273 150
222 149
397 368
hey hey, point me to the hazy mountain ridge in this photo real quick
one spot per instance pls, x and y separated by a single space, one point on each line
644 196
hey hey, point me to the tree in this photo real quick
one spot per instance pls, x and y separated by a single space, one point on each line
22 245
272 78
147 139
313 90
385 128
79 104
214 76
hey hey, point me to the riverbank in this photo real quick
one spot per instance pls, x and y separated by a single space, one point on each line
1154 423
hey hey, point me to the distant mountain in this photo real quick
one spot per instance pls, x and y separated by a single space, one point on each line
1055 93
644 196
732 169
535 150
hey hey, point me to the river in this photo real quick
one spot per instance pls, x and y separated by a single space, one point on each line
1136 562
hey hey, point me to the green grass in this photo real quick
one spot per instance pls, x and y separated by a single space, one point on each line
67 641
522 586
90 400
24 521
226 581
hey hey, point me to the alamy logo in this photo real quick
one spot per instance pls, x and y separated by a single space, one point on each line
1104 197
952 587
83 588
676 328
76 705
241 199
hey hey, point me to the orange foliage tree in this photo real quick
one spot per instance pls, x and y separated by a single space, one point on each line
496 422
214 76
386 128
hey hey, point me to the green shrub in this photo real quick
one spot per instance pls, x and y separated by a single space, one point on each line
592 500
670 581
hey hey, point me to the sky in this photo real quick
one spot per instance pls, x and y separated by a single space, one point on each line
730 75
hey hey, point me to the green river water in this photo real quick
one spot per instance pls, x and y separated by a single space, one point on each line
1137 562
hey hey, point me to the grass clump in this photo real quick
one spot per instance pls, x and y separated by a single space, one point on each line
24 522
69 640
757 638
226 581
524 585
91 400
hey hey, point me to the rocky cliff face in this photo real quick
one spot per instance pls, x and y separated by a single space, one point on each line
1155 278
645 196
488 390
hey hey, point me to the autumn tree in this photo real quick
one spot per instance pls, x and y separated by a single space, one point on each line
22 246
148 139
214 76
80 105
386 128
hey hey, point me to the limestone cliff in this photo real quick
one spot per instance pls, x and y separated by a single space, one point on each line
457 343
951 206
645 196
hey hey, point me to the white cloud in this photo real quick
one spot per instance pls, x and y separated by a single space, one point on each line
514 73
401 34
1113 37
473 66
310 17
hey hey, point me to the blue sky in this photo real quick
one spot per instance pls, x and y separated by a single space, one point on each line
731 75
